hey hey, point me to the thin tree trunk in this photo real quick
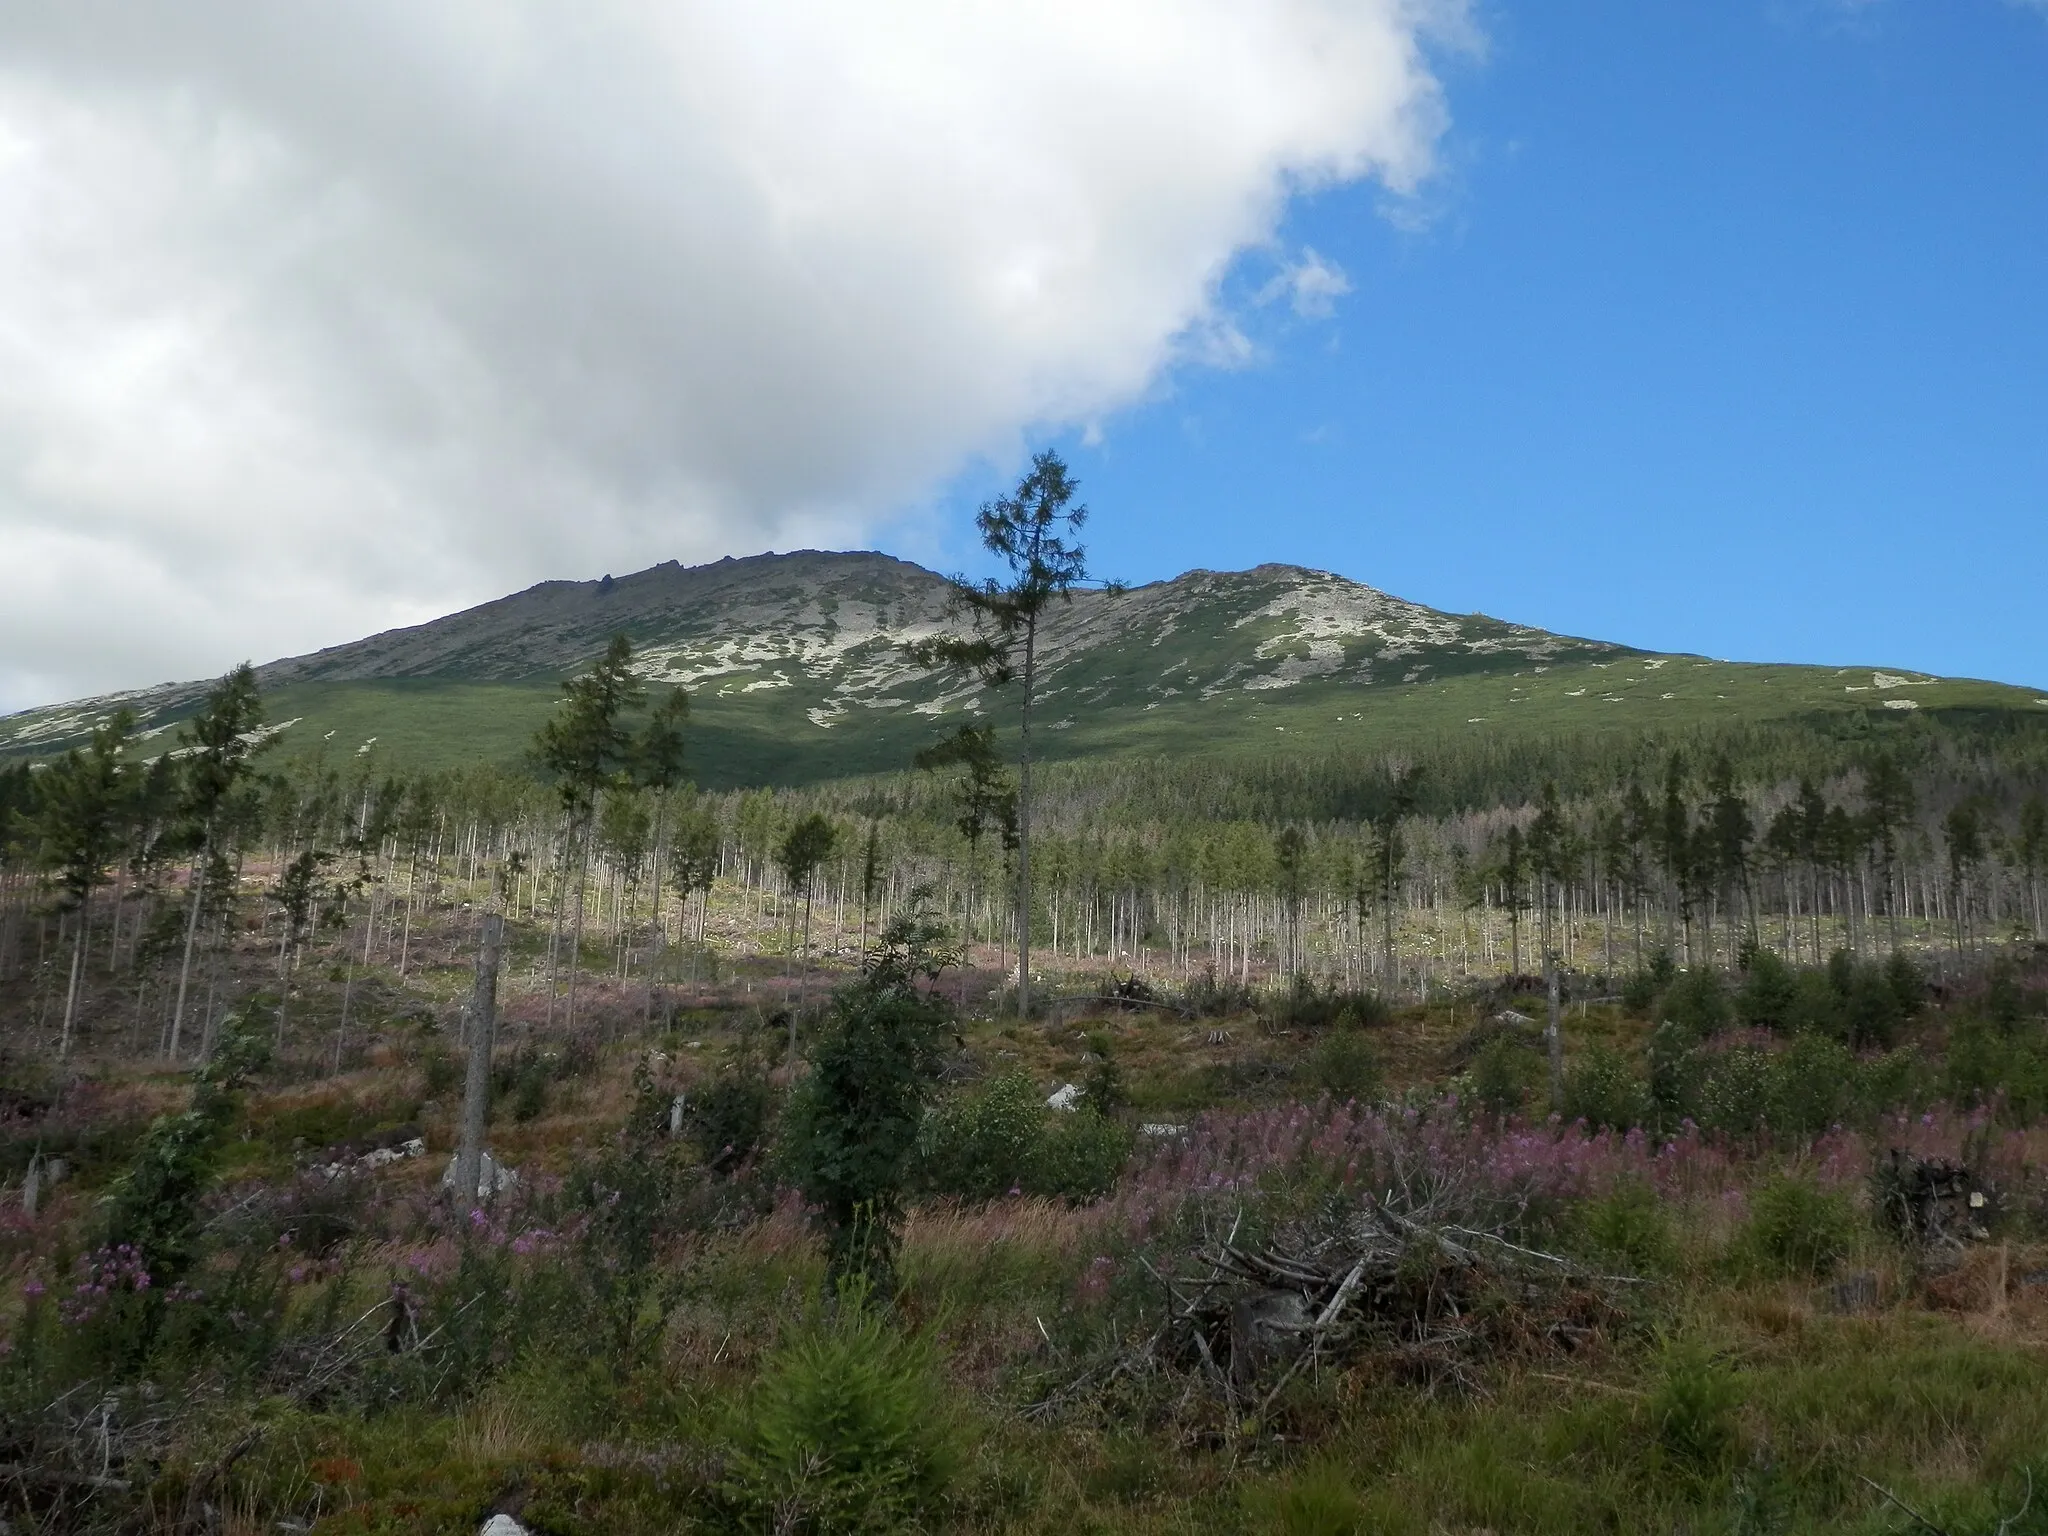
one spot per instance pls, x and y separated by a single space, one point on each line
476 1091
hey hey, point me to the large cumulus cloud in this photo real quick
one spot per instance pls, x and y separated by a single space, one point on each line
315 319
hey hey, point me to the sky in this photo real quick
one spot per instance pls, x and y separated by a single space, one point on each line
1711 325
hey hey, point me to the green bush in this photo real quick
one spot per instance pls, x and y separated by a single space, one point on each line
1815 1007
1104 1084
1815 1086
1629 1228
1698 1002
847 1431
1345 1067
1768 993
1736 1092
1502 1074
1987 1064
1601 1089
729 1119
1079 1157
1694 1409
986 1144
1797 1229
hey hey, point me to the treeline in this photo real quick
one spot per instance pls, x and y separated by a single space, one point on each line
134 872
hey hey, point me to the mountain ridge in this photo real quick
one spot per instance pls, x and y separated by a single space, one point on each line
797 664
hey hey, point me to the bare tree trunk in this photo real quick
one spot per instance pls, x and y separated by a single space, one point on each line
476 1091
71 994
195 887
1024 825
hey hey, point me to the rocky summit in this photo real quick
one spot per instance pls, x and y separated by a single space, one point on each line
798 667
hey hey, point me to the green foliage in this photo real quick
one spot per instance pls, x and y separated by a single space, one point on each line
1345 1067
1630 1229
848 1431
1767 994
1737 1093
1317 1501
728 1121
1503 1073
1003 1139
1987 1064
854 1121
1697 1001
153 1205
1817 1083
1601 1088
1694 1409
1103 1089
1796 1228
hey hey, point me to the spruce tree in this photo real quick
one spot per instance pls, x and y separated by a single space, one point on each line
1031 532
218 743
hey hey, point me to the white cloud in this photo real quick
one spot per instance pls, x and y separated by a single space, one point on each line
1312 284
319 319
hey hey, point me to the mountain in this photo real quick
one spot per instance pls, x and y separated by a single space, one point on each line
797 671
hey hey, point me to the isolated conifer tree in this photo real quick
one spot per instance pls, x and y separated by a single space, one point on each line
984 800
588 748
1030 531
218 747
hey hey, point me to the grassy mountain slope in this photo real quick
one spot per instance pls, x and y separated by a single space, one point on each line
796 668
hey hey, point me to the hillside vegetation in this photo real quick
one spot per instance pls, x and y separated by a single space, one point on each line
1621 1128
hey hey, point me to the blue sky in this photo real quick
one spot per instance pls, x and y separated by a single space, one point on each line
1722 330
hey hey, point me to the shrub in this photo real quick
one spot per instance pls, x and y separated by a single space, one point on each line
1796 1228
1104 1084
1736 1091
1344 1065
1987 1064
1601 1089
153 1206
1502 1074
1815 1007
1909 986
1814 1087
1768 992
729 1120
983 1145
848 1431
1698 1002
854 1122
1694 1408
1628 1227
1867 1009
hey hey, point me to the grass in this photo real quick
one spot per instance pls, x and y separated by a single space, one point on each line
1727 1398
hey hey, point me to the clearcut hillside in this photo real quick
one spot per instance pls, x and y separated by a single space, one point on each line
797 673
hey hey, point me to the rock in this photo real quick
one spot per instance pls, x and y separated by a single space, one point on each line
1066 1097
1162 1129
675 1115
493 1178
502 1525
1264 1327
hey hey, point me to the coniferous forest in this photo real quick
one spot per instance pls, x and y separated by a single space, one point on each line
1617 1132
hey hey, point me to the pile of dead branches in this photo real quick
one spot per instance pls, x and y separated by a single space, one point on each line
1430 1298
